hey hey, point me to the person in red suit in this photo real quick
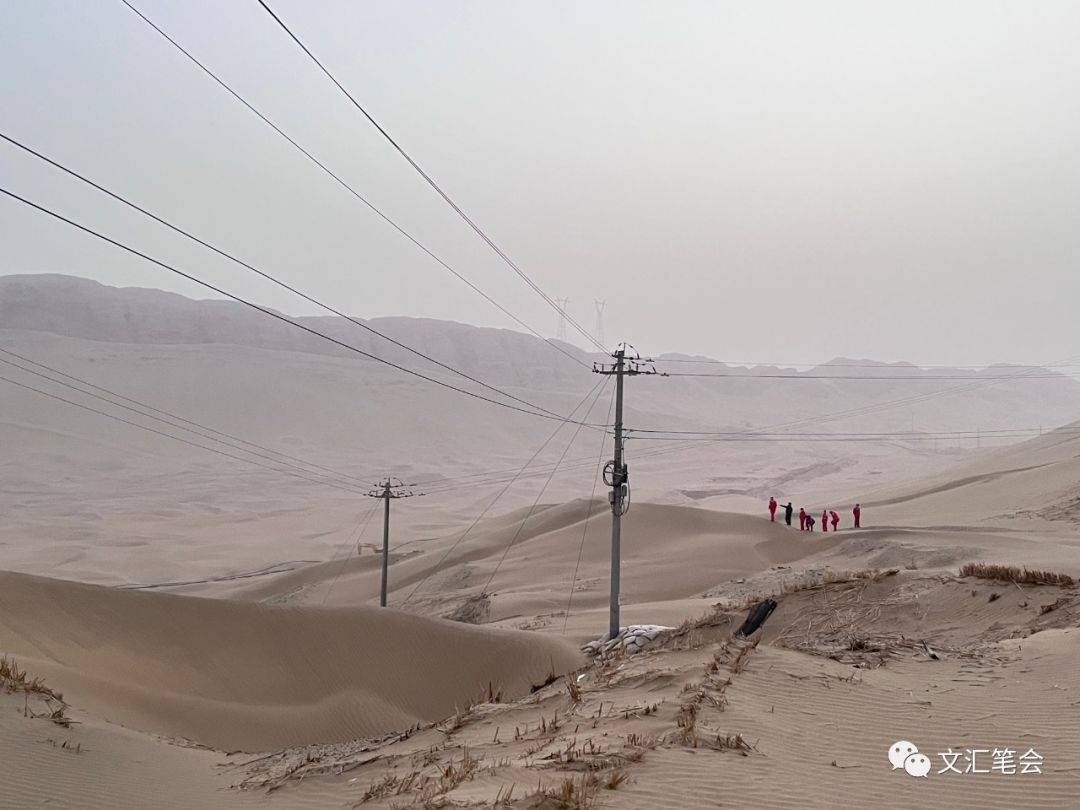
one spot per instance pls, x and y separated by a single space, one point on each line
824 520
835 521
772 509
857 513
802 519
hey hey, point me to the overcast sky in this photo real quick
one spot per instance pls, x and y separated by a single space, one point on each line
755 181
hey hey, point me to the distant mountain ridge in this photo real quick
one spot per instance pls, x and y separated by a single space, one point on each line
82 309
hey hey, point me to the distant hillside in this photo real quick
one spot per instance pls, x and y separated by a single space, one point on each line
96 499
81 308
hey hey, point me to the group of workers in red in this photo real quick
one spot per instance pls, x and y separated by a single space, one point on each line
807 521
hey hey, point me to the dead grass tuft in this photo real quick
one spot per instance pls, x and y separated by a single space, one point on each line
574 690
1010 573
13 680
732 742
615 777
571 793
687 723
457 720
743 656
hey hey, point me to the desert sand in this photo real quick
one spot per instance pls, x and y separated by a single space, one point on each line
213 632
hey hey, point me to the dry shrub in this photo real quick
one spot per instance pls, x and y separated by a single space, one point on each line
571 793
614 778
474 610
732 742
504 797
641 742
430 789
458 719
574 690
836 578
390 785
687 723
13 679
743 656
451 775
1010 573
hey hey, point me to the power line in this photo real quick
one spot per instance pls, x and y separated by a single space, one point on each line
351 542
265 275
588 516
496 499
841 364
177 438
840 439
857 411
346 477
539 495
897 434
438 189
349 188
818 419
808 376
271 313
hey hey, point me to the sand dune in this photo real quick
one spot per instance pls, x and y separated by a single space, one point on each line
185 514
243 616
1032 480
668 552
803 719
101 765
247 676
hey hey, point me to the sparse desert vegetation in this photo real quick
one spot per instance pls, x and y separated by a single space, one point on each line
1011 573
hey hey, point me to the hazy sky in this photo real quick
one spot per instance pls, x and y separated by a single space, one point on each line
756 181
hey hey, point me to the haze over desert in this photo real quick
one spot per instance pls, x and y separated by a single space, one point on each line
543 406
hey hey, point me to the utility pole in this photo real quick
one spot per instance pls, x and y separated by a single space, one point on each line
616 473
390 489
561 333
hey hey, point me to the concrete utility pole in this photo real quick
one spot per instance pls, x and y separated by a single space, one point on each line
616 473
388 490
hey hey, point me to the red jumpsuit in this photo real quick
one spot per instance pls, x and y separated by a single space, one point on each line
772 510
825 520
802 520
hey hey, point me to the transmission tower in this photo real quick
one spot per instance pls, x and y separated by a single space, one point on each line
390 489
600 319
561 333
616 472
